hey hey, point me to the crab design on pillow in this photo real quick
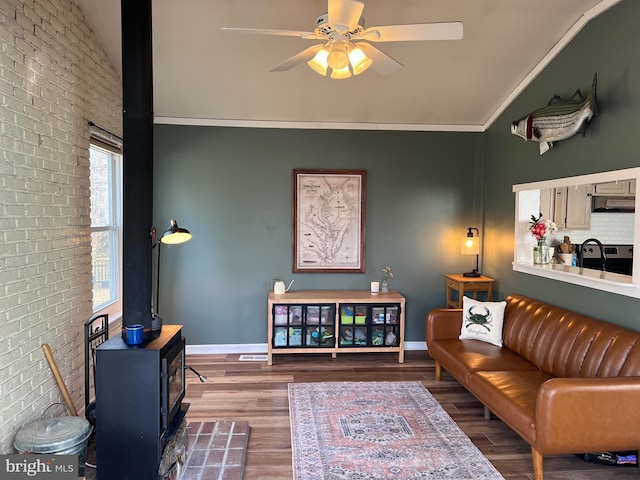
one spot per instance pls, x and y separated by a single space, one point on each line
482 320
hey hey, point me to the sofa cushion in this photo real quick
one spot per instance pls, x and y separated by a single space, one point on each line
512 396
569 344
461 357
482 321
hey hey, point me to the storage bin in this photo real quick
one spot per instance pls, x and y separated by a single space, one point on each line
361 319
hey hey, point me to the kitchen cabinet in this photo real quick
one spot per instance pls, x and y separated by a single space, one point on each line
578 207
622 188
335 321
572 207
547 202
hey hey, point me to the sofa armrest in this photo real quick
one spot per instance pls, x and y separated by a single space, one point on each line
442 323
579 415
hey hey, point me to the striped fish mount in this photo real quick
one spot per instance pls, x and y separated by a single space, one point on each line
559 119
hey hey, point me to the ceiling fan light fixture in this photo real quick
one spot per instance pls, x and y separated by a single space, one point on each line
319 62
340 26
359 61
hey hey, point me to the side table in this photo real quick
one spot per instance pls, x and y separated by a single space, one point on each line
459 283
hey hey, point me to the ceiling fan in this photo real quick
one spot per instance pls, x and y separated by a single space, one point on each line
345 50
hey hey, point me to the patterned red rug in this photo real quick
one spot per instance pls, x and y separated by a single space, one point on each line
378 430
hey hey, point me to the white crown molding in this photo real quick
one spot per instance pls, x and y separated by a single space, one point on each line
219 122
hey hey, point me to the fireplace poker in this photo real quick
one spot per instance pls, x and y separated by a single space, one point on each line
202 378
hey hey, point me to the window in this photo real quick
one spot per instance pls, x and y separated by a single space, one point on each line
528 199
106 222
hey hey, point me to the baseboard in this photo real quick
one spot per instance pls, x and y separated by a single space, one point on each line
262 348
415 346
227 348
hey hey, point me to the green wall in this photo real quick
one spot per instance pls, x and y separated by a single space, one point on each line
608 45
232 187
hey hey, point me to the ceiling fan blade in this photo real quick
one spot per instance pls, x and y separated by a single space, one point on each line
419 31
303 56
382 63
344 14
267 31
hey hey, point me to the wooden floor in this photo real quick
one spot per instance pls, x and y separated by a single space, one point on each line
257 393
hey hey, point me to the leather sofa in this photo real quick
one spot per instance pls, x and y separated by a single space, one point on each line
566 383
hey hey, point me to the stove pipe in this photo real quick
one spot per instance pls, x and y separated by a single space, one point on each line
137 91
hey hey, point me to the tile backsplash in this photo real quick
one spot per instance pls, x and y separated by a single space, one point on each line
609 228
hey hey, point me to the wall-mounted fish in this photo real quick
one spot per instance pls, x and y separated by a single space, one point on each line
559 120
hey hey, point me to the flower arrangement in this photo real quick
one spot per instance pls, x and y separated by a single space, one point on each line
387 273
541 227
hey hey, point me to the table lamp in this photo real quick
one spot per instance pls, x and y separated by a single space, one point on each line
470 245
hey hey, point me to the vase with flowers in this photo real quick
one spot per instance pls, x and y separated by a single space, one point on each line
540 228
386 275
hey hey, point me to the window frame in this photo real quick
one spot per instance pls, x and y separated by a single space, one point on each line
527 195
112 307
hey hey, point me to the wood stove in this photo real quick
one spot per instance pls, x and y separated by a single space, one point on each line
139 392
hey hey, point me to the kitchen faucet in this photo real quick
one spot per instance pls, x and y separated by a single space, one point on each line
603 255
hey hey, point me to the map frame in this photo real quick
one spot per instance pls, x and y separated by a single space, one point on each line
357 184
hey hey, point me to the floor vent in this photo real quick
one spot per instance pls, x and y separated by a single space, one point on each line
253 358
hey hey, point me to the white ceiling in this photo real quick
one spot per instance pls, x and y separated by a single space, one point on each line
205 76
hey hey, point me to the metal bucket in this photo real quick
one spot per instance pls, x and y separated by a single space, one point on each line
64 435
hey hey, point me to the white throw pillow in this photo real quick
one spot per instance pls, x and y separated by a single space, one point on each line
482 321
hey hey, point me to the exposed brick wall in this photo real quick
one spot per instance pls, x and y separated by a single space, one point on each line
54 77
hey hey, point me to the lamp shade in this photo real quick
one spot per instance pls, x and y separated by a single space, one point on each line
174 234
338 57
341 73
359 61
470 245
319 62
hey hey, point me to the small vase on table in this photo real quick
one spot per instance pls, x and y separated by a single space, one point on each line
541 253
386 275
540 228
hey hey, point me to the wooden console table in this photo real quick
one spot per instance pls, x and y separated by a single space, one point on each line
333 321
461 284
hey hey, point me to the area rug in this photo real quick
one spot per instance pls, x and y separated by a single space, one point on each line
378 430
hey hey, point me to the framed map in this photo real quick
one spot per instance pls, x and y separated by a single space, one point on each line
329 209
